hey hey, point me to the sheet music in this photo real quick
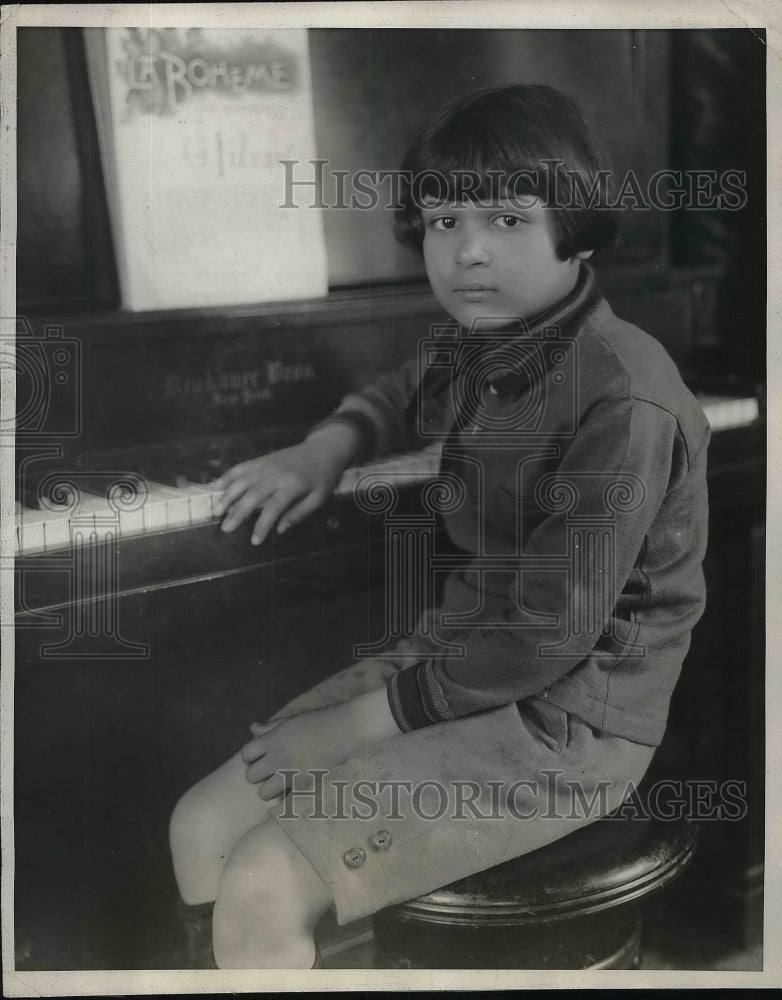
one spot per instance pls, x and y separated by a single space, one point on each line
193 126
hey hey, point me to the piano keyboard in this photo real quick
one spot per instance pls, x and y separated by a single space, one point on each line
189 503
168 507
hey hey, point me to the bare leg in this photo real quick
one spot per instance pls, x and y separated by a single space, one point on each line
268 904
207 823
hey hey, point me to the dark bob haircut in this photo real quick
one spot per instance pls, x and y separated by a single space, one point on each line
512 142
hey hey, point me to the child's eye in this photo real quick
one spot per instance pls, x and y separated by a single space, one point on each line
508 221
442 222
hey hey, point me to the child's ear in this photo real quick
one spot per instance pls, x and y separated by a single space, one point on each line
583 254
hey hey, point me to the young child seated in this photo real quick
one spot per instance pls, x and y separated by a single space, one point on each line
531 699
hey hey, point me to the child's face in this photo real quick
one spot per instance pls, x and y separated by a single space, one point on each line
491 264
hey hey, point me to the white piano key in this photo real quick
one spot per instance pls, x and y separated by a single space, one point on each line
93 515
202 506
166 507
398 469
32 537
91 504
57 531
18 508
155 509
201 501
724 412
131 522
347 483
176 507
179 511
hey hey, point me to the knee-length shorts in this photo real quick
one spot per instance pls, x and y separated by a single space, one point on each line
423 809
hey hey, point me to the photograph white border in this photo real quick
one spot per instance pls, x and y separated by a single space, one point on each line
469 13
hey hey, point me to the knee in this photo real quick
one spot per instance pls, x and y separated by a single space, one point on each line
188 820
197 838
266 875
257 869
251 916
268 903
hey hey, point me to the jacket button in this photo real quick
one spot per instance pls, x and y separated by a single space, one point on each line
354 858
380 841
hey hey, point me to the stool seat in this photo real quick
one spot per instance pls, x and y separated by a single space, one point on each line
604 864
571 902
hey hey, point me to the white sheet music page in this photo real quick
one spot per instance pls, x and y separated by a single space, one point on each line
193 125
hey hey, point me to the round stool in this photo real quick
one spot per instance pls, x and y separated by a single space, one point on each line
569 905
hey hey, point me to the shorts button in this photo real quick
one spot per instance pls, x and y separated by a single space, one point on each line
354 858
380 841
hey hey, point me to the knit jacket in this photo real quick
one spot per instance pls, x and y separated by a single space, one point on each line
580 459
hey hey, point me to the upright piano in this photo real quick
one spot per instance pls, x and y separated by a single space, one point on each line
154 407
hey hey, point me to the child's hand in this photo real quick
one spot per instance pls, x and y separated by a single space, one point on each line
313 740
288 484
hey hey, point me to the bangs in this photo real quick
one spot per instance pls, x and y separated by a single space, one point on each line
472 158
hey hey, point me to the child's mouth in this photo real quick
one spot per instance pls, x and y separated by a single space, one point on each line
474 293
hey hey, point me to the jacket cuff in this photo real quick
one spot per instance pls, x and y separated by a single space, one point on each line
415 698
362 423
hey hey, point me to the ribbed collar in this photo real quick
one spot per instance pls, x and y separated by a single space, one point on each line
562 314
507 377
510 373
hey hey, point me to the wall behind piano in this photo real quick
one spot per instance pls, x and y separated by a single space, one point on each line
374 90
718 123
63 252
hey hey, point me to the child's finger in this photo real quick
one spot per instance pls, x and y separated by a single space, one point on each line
253 750
259 770
270 513
240 507
272 788
298 512
259 728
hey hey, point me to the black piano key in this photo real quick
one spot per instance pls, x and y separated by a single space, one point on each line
179 467
204 471
50 490
27 494
165 475
43 491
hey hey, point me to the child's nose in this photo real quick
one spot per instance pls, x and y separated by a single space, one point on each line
472 250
